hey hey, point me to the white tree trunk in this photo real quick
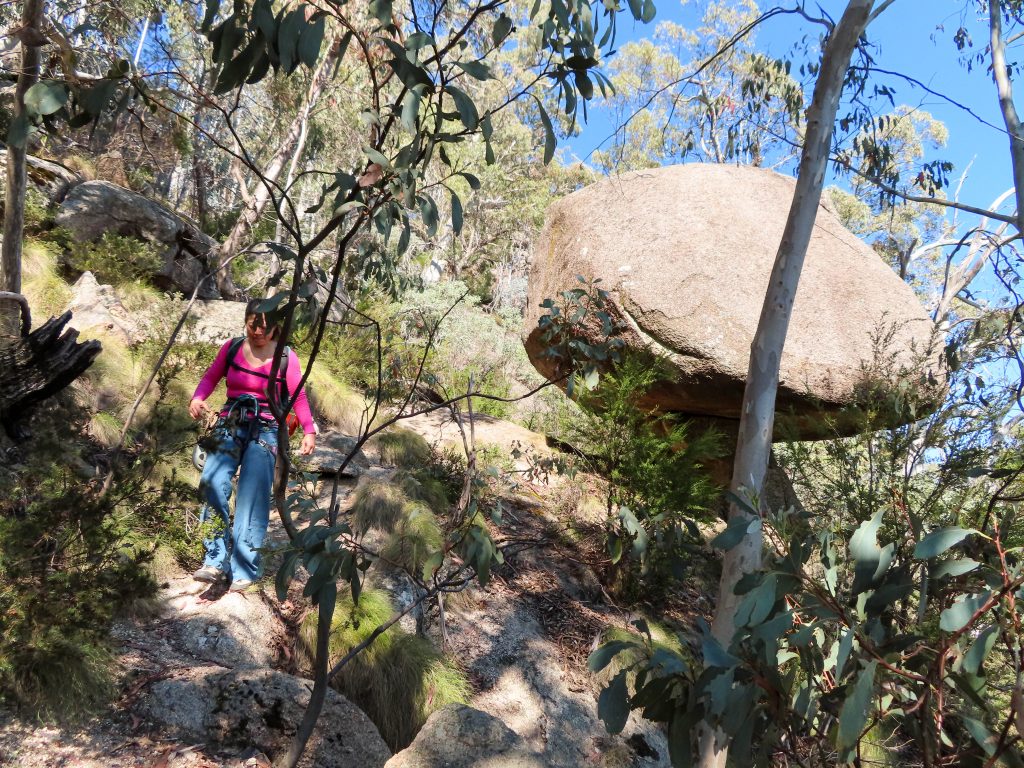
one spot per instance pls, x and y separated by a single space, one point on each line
267 179
1004 88
17 176
758 411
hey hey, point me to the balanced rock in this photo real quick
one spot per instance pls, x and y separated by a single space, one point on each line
685 253
94 208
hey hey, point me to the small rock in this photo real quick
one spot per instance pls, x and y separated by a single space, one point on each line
331 449
463 737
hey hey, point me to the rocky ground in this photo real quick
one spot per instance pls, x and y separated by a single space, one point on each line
207 682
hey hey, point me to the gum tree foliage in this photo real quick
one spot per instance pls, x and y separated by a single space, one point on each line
420 64
889 613
702 94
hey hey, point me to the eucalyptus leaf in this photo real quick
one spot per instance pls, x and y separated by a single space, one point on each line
550 142
475 69
956 617
502 28
468 113
856 708
980 649
735 531
613 704
46 97
937 542
310 40
953 568
456 214
604 654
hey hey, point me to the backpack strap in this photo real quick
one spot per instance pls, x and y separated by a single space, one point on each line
236 345
282 371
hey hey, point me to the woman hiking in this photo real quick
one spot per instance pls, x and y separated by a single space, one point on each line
245 436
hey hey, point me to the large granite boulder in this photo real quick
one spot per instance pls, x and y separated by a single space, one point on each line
94 208
686 252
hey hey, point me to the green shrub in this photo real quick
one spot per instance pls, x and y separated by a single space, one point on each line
38 210
116 259
656 485
402 448
399 680
67 569
468 344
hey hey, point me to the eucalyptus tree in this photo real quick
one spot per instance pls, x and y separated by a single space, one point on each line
702 94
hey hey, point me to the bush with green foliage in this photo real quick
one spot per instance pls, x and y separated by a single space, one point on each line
656 487
890 600
116 259
399 680
469 345
69 564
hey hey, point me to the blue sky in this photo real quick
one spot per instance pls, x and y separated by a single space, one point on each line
915 38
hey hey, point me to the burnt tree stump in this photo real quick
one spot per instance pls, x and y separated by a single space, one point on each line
37 366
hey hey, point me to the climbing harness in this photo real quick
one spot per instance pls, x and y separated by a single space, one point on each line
246 411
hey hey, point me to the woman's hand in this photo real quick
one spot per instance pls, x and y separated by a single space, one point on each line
308 444
196 408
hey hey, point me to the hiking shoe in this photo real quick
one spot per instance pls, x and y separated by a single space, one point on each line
209 575
240 585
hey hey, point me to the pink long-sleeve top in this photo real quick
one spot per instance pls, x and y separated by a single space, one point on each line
239 382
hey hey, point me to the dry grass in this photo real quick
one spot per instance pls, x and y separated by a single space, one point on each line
47 293
335 402
416 536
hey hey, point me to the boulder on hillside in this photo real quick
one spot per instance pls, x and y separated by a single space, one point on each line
686 252
238 630
94 208
96 309
331 449
216 321
262 709
463 737
50 178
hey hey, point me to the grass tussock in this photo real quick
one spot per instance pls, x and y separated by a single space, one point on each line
335 402
60 678
428 490
377 504
47 293
399 681
416 536
403 448
105 428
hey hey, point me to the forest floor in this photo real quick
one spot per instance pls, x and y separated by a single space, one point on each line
551 582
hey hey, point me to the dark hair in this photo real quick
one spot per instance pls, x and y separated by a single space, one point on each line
270 321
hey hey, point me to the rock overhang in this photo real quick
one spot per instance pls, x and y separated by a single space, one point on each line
686 252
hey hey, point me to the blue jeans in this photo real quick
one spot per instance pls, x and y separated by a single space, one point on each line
234 548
